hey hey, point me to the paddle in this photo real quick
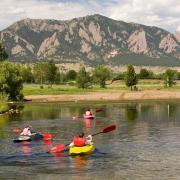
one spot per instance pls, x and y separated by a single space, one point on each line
105 130
62 147
17 130
44 136
99 110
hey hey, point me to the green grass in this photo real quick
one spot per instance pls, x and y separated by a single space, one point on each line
34 89
3 107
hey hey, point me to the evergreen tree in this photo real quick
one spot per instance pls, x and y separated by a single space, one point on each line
51 72
130 77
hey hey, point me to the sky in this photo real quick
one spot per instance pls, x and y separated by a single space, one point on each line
161 13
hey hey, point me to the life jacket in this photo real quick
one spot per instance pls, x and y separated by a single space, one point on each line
79 141
26 132
88 113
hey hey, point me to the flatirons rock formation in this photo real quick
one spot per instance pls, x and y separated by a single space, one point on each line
91 40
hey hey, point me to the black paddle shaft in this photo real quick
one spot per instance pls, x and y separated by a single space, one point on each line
97 133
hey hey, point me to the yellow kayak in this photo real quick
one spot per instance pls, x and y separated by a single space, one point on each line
88 149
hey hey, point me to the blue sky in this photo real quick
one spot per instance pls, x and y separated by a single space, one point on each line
161 13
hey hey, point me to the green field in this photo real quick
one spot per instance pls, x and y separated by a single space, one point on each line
34 89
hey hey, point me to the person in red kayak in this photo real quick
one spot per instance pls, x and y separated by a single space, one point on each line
27 131
88 113
81 140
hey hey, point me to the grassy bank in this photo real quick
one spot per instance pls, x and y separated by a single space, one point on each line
34 89
4 107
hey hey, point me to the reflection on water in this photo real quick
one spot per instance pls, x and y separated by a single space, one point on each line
146 144
131 112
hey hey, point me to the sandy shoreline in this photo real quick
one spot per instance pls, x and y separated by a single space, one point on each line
108 96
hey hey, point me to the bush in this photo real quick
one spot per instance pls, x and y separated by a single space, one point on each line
11 82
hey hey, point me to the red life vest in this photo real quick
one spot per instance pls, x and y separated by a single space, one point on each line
79 141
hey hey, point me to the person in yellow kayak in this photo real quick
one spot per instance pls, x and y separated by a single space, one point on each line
26 131
81 140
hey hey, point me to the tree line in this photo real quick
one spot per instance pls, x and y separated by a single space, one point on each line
48 73
12 76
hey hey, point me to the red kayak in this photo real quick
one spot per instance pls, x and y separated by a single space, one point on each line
88 116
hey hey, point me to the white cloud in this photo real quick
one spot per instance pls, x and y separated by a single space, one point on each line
14 10
18 11
178 28
162 13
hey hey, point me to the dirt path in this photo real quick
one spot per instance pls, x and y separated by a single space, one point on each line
110 95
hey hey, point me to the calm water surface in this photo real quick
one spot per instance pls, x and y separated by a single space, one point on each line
146 144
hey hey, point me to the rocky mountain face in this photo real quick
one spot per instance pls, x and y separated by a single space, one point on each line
177 36
90 40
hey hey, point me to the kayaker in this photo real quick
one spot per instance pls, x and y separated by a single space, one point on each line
27 131
88 113
81 140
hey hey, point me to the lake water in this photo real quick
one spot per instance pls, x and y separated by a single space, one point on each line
145 145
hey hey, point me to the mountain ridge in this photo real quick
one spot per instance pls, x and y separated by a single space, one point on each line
90 40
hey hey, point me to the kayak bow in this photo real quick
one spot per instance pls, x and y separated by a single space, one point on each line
87 149
88 116
22 139
34 137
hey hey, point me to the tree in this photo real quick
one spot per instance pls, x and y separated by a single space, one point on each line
119 76
58 78
71 75
130 77
3 54
145 74
159 76
51 72
11 81
26 73
83 78
169 77
101 74
178 75
39 72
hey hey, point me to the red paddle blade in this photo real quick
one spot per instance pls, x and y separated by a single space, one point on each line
109 128
99 110
47 136
17 130
58 148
